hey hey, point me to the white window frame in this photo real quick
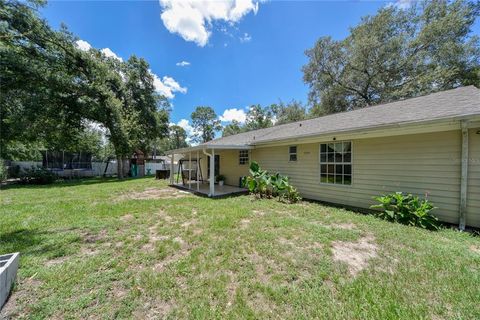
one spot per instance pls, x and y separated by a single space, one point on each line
246 159
290 153
343 163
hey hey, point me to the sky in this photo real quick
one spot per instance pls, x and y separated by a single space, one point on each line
224 54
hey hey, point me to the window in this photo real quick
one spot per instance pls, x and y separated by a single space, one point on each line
336 163
243 157
292 150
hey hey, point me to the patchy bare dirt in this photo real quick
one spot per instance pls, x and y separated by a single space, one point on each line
154 193
345 226
153 237
127 218
355 254
475 249
56 261
158 309
88 251
184 250
259 213
244 223
25 294
89 237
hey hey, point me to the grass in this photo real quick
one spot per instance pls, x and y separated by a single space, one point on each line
91 250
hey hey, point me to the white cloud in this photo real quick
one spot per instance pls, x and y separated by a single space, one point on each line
185 124
233 114
192 19
245 38
401 4
83 45
167 86
110 54
183 64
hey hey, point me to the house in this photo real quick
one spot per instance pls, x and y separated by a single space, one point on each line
429 146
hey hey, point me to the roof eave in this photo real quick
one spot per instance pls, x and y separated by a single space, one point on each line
208 147
473 117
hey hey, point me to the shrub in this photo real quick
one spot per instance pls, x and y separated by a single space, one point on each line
264 184
407 209
38 176
3 171
221 177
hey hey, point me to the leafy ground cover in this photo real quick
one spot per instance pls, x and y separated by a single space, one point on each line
139 249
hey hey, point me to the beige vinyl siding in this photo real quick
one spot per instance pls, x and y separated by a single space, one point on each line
421 164
473 193
230 167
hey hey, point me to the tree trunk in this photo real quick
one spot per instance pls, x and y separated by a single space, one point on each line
119 167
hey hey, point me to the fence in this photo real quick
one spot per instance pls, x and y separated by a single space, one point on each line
98 168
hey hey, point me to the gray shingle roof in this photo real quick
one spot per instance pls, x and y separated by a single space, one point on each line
450 104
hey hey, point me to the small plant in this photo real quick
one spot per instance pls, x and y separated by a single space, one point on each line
221 179
263 184
37 175
406 209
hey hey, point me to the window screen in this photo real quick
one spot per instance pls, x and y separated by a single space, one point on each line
292 150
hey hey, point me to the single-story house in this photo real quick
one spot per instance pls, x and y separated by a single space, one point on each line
428 146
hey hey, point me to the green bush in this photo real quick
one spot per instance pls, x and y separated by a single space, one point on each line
407 209
264 184
3 171
38 176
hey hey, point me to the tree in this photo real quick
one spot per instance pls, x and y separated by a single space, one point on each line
51 90
205 123
290 112
395 54
178 137
258 118
232 128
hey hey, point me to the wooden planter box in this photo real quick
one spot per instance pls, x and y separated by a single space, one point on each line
8 273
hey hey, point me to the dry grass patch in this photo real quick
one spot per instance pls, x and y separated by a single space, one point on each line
21 299
155 193
355 254
184 251
155 309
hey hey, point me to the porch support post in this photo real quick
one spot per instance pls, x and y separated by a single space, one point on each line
197 169
172 169
190 170
212 173
464 177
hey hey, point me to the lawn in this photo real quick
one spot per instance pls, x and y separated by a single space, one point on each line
138 249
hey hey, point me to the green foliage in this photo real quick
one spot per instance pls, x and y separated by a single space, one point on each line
37 175
258 118
3 171
395 54
221 177
289 112
52 91
232 128
205 123
406 209
264 184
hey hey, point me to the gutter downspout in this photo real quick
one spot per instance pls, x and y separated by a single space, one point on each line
212 171
464 176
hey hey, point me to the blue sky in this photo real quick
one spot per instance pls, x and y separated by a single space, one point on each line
238 54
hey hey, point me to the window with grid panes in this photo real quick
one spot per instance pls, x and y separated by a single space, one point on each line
336 163
292 151
243 157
